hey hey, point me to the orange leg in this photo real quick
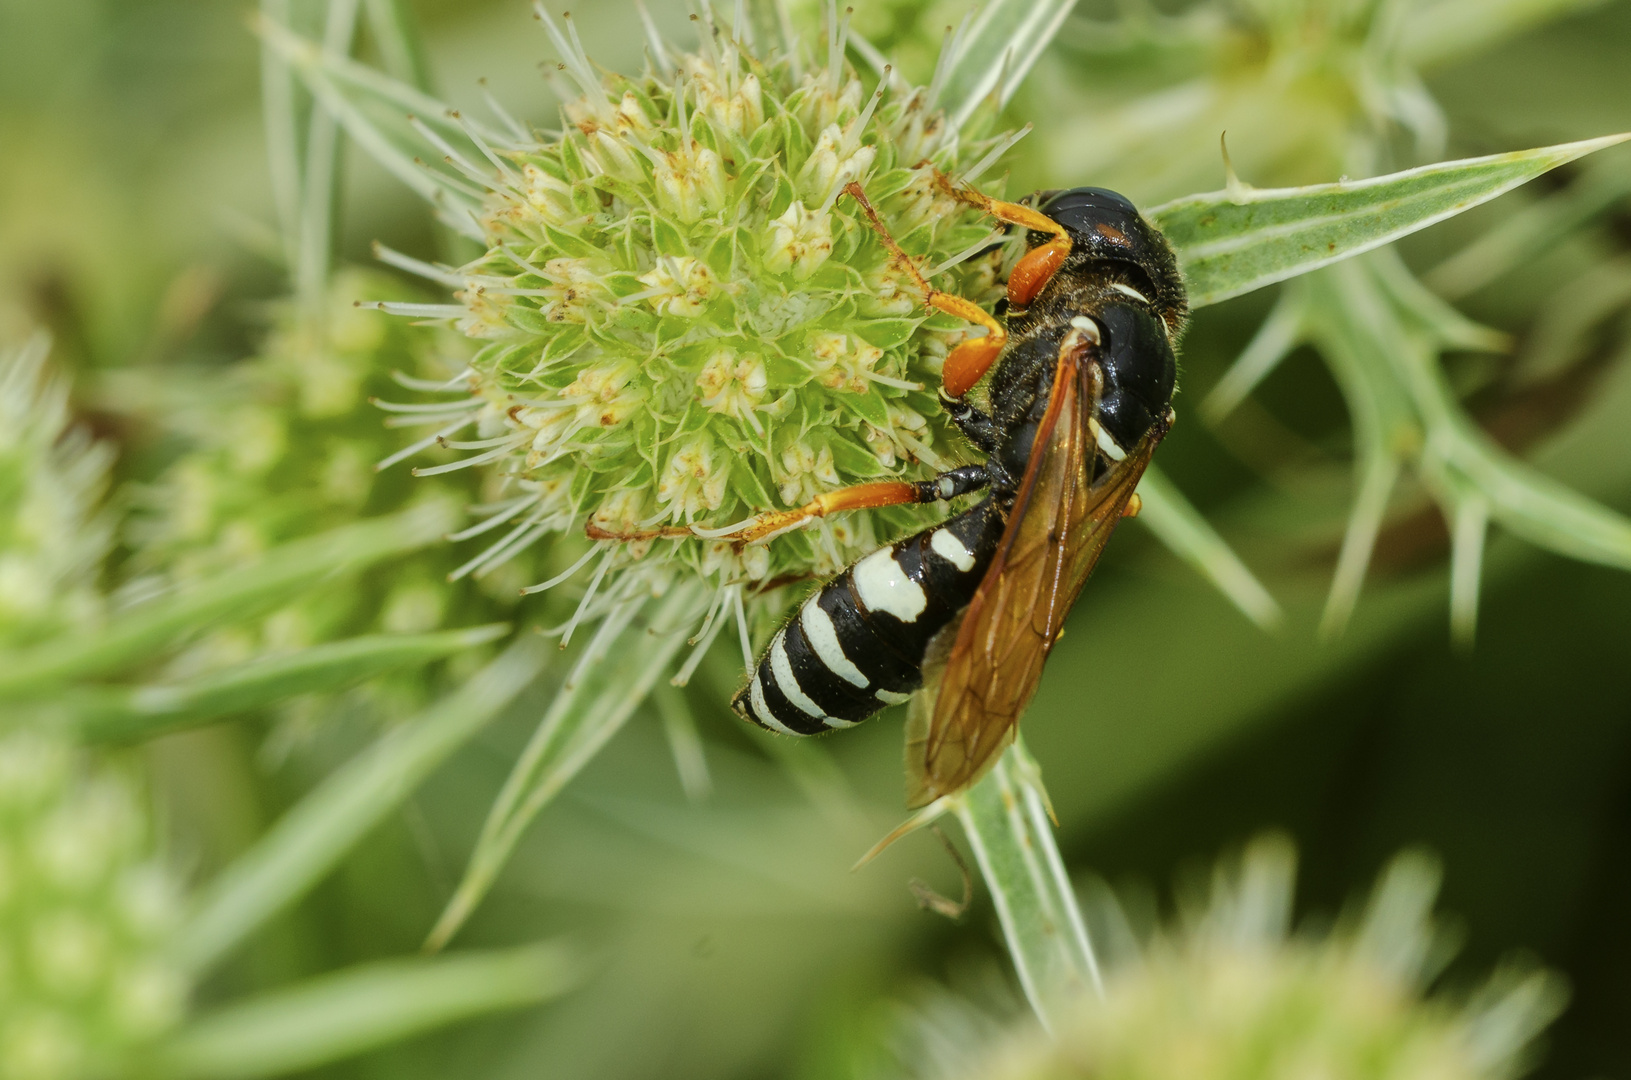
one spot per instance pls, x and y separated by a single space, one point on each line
859 497
1034 269
968 362
948 485
773 522
1038 265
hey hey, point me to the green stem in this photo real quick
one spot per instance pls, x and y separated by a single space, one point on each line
1006 819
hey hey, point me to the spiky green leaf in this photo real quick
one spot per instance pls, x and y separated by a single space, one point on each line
1005 817
346 1013
130 714
311 838
1242 238
160 625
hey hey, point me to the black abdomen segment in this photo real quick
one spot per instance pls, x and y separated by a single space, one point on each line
858 644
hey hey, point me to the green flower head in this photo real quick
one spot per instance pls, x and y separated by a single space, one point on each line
85 916
1232 991
688 321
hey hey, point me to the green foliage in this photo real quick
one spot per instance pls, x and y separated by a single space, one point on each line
342 1014
308 842
256 571
154 628
1244 238
1007 822
132 715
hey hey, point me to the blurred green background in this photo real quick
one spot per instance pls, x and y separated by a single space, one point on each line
730 938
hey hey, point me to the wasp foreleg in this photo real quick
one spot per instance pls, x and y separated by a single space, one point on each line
1006 212
1036 266
968 362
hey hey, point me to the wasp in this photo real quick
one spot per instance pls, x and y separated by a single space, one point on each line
1083 367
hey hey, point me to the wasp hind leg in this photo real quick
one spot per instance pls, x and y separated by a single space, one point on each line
947 485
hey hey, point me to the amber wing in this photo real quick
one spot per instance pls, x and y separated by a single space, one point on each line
1059 525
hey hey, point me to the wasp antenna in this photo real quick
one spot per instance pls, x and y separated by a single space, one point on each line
1232 183
926 816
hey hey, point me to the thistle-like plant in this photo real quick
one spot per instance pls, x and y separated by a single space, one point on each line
688 321
685 322
1230 989
100 940
103 945
53 531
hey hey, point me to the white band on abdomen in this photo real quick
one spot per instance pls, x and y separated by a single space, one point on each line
823 638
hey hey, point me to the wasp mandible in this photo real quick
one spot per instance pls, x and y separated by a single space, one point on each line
1080 396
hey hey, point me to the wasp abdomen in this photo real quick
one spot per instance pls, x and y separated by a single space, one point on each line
858 644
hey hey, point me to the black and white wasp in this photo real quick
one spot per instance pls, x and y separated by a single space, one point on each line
1081 394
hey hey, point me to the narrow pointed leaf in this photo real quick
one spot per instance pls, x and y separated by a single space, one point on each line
400 48
622 668
278 117
1538 508
360 79
374 109
1231 242
1533 230
997 50
312 838
1005 817
1187 533
335 1016
132 714
284 572
314 242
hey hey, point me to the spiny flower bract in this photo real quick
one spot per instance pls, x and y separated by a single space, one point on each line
53 533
